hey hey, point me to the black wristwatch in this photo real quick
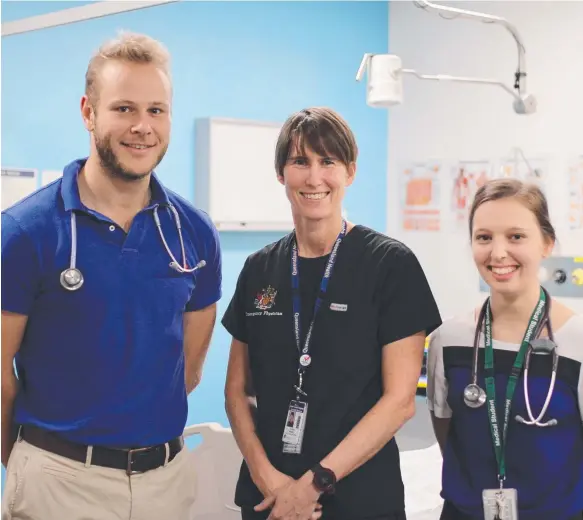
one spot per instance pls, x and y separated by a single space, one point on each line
324 479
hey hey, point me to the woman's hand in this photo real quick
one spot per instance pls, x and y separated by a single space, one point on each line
295 500
273 481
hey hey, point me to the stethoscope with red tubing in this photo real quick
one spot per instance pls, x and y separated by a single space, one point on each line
475 396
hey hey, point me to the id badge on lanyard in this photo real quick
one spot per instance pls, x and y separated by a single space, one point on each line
502 503
293 434
295 423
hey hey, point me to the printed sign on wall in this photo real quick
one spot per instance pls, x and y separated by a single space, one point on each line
467 177
575 187
421 196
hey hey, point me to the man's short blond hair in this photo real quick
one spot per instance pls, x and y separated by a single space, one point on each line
129 47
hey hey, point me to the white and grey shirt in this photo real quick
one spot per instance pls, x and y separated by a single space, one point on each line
544 465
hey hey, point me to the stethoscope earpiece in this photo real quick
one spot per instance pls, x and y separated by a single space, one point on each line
522 420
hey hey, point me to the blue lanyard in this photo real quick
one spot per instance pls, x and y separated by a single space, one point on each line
305 358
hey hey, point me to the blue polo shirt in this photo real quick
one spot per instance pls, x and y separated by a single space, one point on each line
104 365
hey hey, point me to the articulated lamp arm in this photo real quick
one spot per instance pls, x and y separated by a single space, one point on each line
459 79
520 84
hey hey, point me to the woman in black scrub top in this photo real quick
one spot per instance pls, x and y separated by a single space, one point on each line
328 328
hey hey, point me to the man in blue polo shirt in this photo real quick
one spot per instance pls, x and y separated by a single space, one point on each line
109 287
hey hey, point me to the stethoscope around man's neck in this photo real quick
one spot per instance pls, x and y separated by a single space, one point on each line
72 279
475 396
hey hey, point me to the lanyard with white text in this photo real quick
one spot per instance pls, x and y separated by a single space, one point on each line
305 358
500 441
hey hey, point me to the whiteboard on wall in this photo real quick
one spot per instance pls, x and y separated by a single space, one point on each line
235 177
17 183
48 176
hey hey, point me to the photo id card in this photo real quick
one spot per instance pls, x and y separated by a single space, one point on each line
500 504
295 423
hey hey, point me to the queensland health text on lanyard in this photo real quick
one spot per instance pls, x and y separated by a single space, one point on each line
501 504
295 423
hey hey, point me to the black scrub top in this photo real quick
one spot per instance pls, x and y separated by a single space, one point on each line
378 294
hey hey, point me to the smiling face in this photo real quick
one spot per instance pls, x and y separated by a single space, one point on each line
130 118
315 159
508 245
315 184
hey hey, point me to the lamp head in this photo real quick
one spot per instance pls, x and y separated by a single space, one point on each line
527 104
384 87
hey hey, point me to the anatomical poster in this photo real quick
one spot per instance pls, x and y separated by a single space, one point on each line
531 170
421 196
467 177
575 187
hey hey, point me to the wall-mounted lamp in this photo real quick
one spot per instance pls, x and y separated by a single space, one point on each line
385 71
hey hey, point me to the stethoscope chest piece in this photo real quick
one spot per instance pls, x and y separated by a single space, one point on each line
71 279
474 396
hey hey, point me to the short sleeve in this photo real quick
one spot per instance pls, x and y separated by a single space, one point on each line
407 303
208 287
234 319
20 268
436 382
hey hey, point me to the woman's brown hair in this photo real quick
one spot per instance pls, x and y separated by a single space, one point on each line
320 129
528 194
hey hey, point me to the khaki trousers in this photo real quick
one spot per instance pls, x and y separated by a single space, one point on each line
43 486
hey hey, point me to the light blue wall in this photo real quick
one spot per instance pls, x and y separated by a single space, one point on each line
257 60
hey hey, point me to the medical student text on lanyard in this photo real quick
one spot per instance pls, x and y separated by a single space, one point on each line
501 504
296 416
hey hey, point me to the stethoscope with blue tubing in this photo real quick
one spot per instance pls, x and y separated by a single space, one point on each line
475 396
72 278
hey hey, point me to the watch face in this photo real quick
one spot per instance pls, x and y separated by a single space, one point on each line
326 480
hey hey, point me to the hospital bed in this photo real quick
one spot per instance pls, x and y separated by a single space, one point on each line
217 459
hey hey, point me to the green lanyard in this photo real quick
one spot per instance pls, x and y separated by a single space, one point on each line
500 441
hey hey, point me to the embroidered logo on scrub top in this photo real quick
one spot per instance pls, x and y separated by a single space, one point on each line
264 300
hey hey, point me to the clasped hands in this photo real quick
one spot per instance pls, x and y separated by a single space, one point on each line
289 499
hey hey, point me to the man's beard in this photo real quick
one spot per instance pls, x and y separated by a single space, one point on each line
110 162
